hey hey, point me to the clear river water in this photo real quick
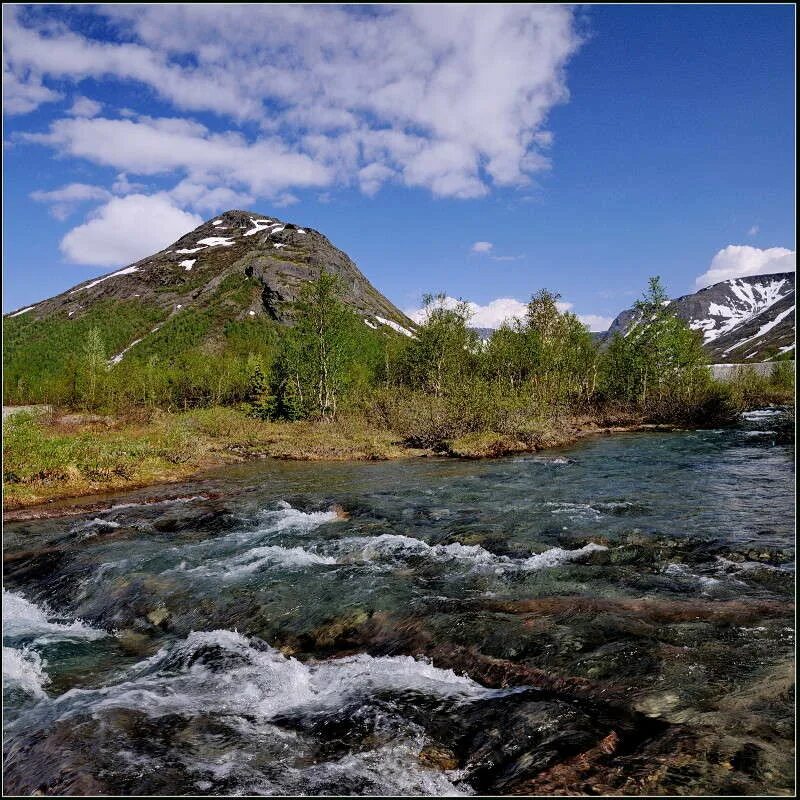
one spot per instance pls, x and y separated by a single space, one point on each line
613 617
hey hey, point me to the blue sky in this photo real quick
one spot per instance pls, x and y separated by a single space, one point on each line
585 148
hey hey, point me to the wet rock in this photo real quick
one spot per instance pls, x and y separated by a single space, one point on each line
330 633
748 759
438 757
158 616
658 705
654 610
134 643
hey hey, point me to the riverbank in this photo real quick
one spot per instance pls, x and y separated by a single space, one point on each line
616 616
55 457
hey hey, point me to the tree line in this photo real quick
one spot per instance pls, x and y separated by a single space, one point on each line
442 382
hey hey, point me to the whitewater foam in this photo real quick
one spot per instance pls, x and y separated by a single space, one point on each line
210 559
24 619
557 556
761 413
24 669
167 502
255 559
394 546
286 517
224 672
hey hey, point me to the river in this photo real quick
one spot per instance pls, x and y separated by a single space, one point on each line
614 617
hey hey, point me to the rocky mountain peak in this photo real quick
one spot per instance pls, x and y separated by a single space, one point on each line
277 257
741 320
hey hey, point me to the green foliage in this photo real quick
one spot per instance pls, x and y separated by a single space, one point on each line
434 389
196 356
782 375
43 360
95 365
32 454
659 361
326 355
444 351
261 402
550 354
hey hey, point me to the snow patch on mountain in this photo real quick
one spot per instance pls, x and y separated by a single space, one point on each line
258 225
764 329
217 241
118 357
395 326
126 271
747 318
22 311
749 299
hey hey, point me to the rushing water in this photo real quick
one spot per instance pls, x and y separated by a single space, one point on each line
615 617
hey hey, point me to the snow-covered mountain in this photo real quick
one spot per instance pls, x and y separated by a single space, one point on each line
741 320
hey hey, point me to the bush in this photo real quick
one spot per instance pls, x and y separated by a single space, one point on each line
782 376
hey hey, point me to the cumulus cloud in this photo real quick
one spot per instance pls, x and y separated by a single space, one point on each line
123 186
126 229
24 92
596 322
66 199
413 94
505 309
204 198
740 260
482 247
85 107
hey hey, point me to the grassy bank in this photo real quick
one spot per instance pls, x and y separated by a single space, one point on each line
58 455
55 455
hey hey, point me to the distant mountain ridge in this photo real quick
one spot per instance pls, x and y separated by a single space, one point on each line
242 267
741 320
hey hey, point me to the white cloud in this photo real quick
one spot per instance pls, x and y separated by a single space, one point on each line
739 260
491 315
149 146
24 92
123 186
66 199
414 94
595 322
203 198
126 229
484 248
85 107
494 313
753 231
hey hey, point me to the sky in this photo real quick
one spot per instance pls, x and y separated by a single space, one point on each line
485 152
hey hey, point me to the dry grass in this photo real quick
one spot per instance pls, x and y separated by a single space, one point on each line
55 457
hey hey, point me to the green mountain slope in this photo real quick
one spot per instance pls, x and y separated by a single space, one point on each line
222 290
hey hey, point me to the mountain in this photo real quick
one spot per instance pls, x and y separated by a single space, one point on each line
741 320
277 257
240 270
